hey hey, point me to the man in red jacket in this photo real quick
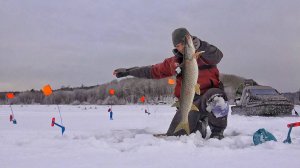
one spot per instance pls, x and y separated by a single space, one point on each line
212 101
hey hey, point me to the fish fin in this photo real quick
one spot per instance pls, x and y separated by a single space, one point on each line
176 104
194 108
184 126
197 89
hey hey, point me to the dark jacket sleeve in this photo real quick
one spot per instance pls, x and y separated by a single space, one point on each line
141 72
157 71
212 55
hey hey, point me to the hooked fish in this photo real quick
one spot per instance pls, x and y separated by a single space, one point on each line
189 85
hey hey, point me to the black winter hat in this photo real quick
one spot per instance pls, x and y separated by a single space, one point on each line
178 35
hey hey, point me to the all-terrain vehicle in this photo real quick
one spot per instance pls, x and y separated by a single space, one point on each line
262 101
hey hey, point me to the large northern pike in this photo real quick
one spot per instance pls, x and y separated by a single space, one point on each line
189 85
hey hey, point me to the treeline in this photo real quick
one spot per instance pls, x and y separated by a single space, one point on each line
127 91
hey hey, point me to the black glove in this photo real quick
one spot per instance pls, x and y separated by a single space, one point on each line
122 72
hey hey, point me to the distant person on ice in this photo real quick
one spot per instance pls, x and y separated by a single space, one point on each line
212 101
110 113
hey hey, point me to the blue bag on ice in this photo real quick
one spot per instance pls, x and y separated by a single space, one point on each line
261 136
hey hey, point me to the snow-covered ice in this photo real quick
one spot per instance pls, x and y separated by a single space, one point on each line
92 140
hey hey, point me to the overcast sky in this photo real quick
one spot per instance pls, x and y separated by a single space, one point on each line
75 42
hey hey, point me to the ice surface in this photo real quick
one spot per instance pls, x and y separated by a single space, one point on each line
91 140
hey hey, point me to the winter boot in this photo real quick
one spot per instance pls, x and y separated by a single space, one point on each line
217 134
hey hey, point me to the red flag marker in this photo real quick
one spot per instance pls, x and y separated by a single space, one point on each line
10 95
171 81
47 90
111 91
142 99
296 124
53 121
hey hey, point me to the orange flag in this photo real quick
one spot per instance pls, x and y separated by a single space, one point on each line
171 81
47 90
142 99
10 95
111 91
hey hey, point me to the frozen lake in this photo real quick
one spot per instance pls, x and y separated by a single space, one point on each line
92 140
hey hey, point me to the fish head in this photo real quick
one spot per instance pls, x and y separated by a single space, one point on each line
189 48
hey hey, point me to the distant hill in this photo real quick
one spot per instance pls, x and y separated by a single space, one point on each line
128 91
231 84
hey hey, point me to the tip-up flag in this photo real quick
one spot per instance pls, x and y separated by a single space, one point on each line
111 91
47 90
10 95
171 81
142 99
54 123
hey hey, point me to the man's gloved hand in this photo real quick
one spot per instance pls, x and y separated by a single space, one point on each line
122 72
196 42
217 105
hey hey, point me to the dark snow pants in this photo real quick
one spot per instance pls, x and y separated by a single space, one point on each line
196 118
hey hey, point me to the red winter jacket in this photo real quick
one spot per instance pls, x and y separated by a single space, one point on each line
208 76
207 63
